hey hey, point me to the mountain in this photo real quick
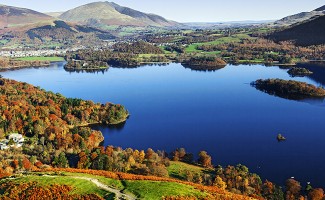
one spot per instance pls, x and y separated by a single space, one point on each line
13 16
320 8
54 14
62 31
25 28
310 32
300 17
103 14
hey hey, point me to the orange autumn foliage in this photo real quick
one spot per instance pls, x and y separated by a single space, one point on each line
27 164
3 174
30 191
178 198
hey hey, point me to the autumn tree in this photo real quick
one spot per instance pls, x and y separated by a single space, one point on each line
272 192
27 165
61 161
204 159
293 189
316 194
219 183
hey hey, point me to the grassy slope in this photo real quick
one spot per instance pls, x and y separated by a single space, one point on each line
107 181
141 188
178 170
156 190
51 59
80 186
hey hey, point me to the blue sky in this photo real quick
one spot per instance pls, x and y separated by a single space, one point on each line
191 10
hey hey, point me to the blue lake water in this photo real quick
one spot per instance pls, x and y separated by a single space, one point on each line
217 111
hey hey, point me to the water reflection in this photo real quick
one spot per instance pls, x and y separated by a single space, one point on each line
296 97
139 66
116 127
318 69
203 68
92 71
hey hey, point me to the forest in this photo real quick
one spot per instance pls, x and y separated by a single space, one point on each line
122 55
51 123
265 50
139 47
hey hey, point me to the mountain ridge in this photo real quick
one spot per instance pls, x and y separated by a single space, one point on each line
11 16
322 8
300 17
101 14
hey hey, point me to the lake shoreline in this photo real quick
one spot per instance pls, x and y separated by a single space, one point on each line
159 98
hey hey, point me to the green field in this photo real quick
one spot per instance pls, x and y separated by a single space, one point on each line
223 40
51 59
179 169
155 190
257 61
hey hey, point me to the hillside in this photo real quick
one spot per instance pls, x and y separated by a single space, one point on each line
99 185
320 8
13 16
102 14
307 33
62 30
300 17
53 34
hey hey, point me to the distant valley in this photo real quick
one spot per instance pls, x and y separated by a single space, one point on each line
91 24
25 28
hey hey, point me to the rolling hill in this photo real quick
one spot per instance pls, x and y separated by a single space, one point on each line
103 14
21 27
13 17
300 17
53 34
310 32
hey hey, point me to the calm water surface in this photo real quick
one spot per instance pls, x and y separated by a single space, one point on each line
215 111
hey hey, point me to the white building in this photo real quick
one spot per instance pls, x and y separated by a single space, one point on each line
16 138
3 145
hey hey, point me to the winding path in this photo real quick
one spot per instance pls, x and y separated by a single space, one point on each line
118 193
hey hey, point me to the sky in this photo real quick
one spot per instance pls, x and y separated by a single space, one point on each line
190 10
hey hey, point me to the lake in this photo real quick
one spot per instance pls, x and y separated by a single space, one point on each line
217 111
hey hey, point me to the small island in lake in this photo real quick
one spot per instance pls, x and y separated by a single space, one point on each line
299 72
85 65
289 89
208 62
